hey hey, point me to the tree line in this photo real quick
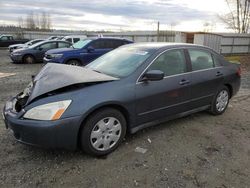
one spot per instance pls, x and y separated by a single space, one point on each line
36 21
238 17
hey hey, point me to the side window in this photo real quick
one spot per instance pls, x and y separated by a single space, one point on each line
109 44
118 43
47 46
217 60
170 62
98 44
4 38
69 39
200 59
63 45
75 40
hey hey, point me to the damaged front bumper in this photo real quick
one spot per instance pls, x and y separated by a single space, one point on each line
61 133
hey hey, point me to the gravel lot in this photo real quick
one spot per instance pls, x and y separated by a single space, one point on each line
200 150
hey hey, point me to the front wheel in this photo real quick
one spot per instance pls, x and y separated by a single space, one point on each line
220 101
29 59
103 132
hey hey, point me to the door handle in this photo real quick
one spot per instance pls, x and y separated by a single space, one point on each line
184 82
219 73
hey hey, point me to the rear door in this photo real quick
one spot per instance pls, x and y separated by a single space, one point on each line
206 77
167 97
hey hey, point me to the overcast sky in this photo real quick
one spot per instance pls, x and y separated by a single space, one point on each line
188 15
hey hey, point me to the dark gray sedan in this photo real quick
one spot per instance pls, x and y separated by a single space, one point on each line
127 89
36 52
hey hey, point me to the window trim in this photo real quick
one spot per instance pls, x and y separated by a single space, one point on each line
188 62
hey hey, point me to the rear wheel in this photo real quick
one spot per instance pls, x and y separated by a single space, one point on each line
29 59
74 62
103 132
220 101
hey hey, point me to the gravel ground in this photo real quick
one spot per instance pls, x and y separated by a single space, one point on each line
200 150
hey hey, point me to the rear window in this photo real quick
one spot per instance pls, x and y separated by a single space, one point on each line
63 45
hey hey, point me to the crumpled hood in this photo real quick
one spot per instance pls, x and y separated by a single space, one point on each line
54 76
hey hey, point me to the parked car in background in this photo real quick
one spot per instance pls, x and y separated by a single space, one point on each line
84 51
125 90
35 53
74 38
6 40
25 45
52 38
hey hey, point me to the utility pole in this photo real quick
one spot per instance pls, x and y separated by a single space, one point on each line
158 30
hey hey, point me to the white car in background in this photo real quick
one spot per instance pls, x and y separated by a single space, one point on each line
74 38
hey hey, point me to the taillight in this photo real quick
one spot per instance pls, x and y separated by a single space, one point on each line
238 71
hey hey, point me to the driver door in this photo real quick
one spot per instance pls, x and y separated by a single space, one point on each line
169 96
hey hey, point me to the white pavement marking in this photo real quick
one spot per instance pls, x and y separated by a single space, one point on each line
2 75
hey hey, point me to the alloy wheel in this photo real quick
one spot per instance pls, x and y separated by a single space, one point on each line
222 100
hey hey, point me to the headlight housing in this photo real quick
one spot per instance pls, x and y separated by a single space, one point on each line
56 55
50 111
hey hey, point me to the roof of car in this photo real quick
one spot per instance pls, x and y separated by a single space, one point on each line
159 45
113 38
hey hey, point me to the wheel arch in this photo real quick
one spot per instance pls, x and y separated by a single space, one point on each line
230 88
116 106
29 54
72 58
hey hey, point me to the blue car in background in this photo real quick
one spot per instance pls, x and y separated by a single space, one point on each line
84 51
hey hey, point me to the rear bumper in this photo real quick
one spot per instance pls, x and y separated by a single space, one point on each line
61 133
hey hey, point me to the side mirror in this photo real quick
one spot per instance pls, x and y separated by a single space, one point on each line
90 49
40 48
153 75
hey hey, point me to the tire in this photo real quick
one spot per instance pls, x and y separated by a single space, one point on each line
29 59
220 101
74 62
102 132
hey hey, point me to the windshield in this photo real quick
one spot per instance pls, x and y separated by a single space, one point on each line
82 43
120 62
